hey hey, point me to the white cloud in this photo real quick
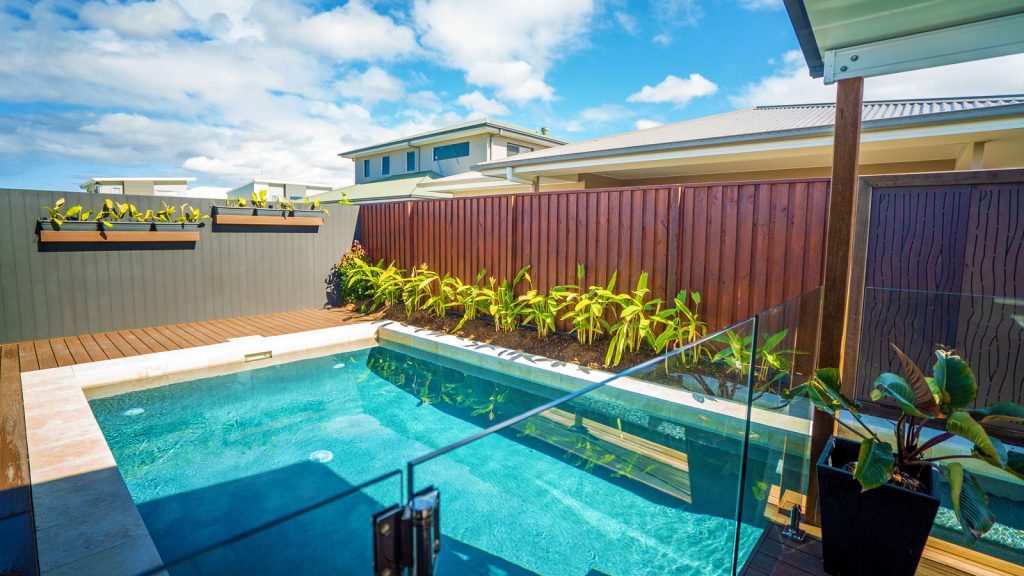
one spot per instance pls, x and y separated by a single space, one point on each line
627 21
678 91
761 5
507 45
140 20
791 83
605 113
675 14
482 106
644 123
355 32
371 86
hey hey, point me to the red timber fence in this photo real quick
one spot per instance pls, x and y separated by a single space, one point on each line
744 246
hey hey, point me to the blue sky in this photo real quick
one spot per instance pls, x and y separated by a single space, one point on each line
226 90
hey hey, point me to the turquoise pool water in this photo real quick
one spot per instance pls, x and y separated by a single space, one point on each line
209 459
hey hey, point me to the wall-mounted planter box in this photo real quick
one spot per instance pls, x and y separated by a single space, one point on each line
167 226
110 235
130 227
232 211
275 212
266 220
300 213
190 226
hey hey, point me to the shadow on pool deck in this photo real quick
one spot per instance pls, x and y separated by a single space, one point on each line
333 539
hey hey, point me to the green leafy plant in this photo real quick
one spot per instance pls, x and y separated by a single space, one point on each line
502 303
73 214
417 288
942 398
771 366
259 199
438 301
470 297
134 214
541 310
315 204
286 204
338 287
635 325
190 215
585 311
681 324
238 202
165 214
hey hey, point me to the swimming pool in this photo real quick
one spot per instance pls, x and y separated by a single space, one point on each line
208 459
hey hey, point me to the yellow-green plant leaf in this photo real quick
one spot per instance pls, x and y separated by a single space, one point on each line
970 503
893 386
874 463
924 395
961 424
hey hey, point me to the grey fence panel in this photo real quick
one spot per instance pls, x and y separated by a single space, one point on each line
51 290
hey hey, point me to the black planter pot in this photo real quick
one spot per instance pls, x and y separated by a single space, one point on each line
881 532
280 212
79 225
130 226
233 210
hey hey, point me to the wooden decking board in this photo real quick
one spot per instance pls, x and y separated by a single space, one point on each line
164 341
215 331
148 340
44 354
123 347
774 555
204 332
78 350
107 346
192 335
61 352
27 356
139 346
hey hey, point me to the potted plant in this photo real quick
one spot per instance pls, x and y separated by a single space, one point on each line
71 219
234 207
190 218
310 210
136 220
164 221
878 501
263 207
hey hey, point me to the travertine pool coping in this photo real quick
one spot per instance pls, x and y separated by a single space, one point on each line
86 521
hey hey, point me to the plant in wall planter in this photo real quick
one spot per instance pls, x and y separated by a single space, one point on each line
235 207
263 207
878 501
190 218
74 218
164 220
133 219
310 210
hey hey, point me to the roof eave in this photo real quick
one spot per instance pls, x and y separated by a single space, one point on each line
805 36
957 115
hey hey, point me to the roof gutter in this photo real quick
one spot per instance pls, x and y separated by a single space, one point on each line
773 135
805 36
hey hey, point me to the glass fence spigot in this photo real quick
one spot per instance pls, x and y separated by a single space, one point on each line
793 531
407 539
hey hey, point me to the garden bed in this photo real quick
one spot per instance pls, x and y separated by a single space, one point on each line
557 346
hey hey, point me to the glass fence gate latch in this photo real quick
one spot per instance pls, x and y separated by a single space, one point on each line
407 539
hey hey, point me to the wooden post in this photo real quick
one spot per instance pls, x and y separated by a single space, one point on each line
838 239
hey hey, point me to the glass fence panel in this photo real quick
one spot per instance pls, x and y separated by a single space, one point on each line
330 535
635 475
988 333
778 440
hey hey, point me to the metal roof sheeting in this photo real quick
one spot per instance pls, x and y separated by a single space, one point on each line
766 122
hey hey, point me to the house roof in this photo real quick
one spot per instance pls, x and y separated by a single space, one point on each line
98 180
477 125
768 123
381 190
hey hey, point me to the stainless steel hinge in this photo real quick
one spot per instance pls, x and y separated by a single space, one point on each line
407 539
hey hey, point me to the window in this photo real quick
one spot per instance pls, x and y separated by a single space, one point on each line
385 166
513 149
410 161
366 168
449 151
